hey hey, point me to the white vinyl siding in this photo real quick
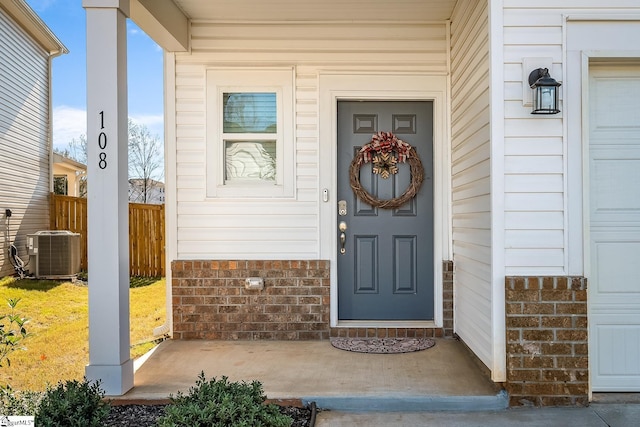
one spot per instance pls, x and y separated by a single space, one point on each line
396 45
534 152
536 217
285 228
534 162
471 183
24 152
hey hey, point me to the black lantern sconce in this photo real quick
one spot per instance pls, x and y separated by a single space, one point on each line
545 92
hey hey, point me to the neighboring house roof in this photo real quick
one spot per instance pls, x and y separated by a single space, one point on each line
32 24
75 173
67 163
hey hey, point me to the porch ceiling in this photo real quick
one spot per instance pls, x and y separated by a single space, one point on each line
316 10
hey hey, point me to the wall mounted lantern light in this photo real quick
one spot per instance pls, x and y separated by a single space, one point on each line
545 92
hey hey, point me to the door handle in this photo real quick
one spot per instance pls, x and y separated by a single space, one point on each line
343 237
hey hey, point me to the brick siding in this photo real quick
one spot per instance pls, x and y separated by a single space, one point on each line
547 357
447 297
210 302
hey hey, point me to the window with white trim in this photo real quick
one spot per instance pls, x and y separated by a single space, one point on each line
250 133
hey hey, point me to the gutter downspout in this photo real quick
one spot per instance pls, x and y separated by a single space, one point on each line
52 55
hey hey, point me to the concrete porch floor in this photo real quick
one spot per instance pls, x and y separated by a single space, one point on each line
444 377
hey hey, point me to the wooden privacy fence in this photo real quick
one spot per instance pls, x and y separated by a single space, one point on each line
146 232
146 240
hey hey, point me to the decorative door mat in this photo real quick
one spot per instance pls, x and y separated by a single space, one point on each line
382 345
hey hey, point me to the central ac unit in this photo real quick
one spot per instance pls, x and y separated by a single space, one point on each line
54 254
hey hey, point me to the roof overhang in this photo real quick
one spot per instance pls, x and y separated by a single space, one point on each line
163 21
32 24
168 21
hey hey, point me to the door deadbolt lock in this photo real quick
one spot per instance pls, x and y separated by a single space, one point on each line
342 208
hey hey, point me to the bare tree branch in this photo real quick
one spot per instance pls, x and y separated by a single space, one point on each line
145 163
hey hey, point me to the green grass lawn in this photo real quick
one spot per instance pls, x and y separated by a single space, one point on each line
57 348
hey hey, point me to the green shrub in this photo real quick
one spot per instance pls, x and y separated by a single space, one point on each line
73 404
222 404
19 403
12 332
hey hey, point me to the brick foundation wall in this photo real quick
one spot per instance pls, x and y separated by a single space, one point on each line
447 298
210 302
547 356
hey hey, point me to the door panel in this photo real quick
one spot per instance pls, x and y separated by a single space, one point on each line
617 370
366 255
386 272
614 197
405 264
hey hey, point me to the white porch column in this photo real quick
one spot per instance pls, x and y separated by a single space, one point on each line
108 218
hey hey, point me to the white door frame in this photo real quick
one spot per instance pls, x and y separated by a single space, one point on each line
335 86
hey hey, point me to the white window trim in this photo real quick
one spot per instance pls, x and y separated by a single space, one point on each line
224 80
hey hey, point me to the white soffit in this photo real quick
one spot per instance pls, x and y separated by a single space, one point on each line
317 10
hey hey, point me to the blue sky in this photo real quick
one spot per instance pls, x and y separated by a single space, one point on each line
66 18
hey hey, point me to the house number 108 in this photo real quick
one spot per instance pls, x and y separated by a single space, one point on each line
102 144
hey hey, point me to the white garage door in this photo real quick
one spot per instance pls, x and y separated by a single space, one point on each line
614 179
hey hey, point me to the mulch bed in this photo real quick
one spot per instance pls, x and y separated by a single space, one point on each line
146 415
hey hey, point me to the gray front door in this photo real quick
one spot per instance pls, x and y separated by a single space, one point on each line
386 269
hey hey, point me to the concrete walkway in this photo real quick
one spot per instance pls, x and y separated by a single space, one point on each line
444 377
596 415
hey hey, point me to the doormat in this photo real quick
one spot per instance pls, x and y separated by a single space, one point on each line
382 345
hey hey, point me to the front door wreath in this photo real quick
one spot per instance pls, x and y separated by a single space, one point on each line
385 151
